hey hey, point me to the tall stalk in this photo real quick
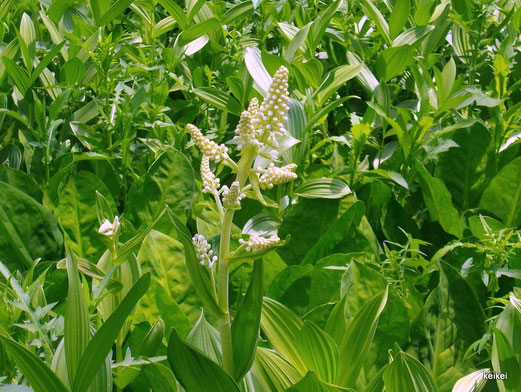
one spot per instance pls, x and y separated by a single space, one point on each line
257 133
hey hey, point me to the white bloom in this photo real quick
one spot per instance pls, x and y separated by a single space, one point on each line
108 228
274 175
203 251
216 152
232 196
258 244
210 182
269 119
245 132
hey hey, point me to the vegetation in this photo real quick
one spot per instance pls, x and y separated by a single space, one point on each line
257 196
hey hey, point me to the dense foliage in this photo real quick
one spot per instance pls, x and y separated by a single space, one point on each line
257 196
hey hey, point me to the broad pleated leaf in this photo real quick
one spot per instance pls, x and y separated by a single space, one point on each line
194 370
281 326
358 338
323 188
311 383
199 275
407 374
319 352
39 376
102 342
245 326
76 331
502 197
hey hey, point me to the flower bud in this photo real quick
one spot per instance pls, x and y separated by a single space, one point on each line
274 175
110 229
232 196
210 182
216 152
203 251
258 244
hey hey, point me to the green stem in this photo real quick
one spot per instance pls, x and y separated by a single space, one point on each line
224 321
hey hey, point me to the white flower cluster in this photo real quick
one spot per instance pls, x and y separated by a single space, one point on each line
108 228
261 126
216 152
203 251
211 183
269 119
258 244
245 132
274 175
232 196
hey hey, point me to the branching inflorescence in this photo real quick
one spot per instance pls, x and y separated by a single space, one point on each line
257 134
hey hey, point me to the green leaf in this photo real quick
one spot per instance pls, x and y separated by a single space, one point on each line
451 321
219 99
76 195
148 348
319 25
24 303
322 188
130 245
96 9
399 17
164 26
502 196
175 11
281 326
336 235
115 10
46 61
195 31
296 43
171 296
37 373
206 338
169 181
463 169
28 230
407 374
466 8
393 61
21 181
74 71
378 19
199 275
504 360
359 284
335 79
19 76
188 364
321 115
306 222
439 202
412 36
319 351
237 12
271 372
76 330
358 338
311 383
245 326
100 345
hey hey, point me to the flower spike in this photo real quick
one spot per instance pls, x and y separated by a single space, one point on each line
216 152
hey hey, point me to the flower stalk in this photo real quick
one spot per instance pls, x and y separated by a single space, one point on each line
257 134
